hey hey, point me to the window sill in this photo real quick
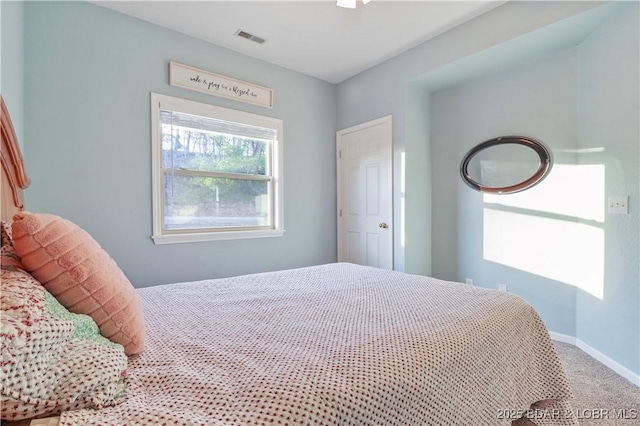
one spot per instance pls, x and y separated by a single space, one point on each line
215 236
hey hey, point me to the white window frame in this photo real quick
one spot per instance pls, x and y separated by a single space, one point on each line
160 236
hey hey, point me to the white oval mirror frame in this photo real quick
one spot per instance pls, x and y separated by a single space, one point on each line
542 168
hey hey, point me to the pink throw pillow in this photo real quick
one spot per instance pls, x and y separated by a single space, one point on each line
81 275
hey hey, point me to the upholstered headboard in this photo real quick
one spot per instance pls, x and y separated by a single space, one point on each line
14 177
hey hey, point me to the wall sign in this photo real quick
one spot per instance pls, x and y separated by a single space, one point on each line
219 85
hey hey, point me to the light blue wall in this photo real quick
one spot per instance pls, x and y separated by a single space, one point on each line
609 123
12 63
564 69
89 73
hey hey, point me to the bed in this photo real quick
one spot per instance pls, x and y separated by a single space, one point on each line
335 344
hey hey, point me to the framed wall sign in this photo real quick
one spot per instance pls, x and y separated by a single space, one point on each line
219 85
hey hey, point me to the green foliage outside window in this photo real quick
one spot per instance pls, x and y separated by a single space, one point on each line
188 149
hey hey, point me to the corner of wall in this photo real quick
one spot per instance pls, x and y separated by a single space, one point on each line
418 181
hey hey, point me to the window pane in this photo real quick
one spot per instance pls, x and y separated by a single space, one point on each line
195 202
201 148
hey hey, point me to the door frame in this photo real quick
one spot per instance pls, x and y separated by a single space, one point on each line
387 119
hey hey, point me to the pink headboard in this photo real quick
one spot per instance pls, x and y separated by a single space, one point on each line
14 177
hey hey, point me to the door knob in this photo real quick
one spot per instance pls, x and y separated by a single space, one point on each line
383 225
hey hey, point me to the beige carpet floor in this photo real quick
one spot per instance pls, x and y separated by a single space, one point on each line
602 397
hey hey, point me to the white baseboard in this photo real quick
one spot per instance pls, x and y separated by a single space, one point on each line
558 337
599 356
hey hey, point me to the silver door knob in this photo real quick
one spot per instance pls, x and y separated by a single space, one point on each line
383 225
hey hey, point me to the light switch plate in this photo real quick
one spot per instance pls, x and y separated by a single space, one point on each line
619 204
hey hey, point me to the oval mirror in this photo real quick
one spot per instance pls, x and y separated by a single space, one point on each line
505 165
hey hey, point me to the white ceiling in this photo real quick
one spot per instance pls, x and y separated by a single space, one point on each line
316 38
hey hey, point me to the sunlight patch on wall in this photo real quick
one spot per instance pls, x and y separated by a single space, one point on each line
574 190
546 231
403 168
565 251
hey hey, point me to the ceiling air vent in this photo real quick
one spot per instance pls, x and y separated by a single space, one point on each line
251 37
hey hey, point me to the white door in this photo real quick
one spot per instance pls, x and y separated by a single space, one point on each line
365 203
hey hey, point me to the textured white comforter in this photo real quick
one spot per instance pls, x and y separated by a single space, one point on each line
337 344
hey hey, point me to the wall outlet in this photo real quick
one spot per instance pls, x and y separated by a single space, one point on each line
502 287
469 281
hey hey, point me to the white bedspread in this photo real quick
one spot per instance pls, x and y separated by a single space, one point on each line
337 345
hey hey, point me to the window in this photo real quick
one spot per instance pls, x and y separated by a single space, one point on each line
216 172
